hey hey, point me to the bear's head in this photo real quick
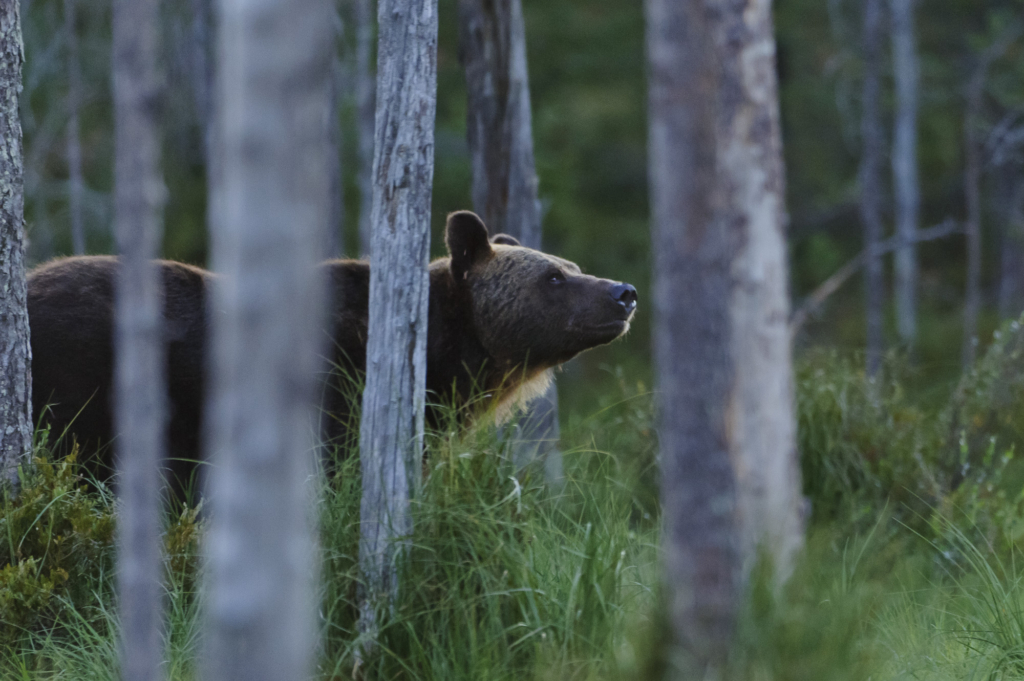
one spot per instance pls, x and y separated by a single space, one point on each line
532 310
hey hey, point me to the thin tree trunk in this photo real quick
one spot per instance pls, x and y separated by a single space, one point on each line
391 436
871 184
904 165
366 108
1011 270
500 135
75 181
730 478
140 414
16 354
334 235
201 71
269 213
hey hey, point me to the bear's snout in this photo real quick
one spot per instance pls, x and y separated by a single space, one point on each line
624 295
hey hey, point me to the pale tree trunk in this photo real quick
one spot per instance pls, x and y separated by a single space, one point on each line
904 165
140 412
1011 265
366 108
15 353
500 135
76 185
871 183
730 477
334 235
201 72
391 435
268 215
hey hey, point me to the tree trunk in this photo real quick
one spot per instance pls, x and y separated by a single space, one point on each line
366 108
500 135
391 436
1011 270
871 184
269 214
140 414
730 481
76 185
334 244
201 71
16 367
904 165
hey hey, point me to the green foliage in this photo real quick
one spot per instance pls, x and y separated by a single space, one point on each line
57 539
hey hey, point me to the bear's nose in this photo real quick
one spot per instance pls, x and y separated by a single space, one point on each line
624 295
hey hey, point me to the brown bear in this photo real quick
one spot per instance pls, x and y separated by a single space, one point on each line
500 316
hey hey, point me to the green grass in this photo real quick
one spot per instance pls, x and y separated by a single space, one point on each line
912 568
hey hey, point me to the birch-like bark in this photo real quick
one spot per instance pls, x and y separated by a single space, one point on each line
366 107
201 71
333 235
391 436
730 481
500 135
140 392
15 352
904 165
268 215
76 184
871 183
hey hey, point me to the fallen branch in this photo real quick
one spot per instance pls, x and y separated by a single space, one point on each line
832 284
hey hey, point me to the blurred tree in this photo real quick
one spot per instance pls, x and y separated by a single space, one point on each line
140 415
871 182
730 481
268 215
492 48
365 112
391 433
74 144
904 164
15 375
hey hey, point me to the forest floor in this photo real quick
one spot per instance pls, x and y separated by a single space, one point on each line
910 569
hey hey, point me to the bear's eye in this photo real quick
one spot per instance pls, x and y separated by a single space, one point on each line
556 277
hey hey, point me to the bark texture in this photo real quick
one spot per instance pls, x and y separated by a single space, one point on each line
366 107
871 183
505 185
76 183
15 353
269 215
391 436
140 412
730 482
904 165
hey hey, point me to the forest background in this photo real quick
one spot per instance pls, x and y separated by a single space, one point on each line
588 90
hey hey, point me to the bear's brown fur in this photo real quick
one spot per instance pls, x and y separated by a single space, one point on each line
500 316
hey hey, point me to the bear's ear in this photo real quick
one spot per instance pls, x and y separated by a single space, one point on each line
505 239
466 237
